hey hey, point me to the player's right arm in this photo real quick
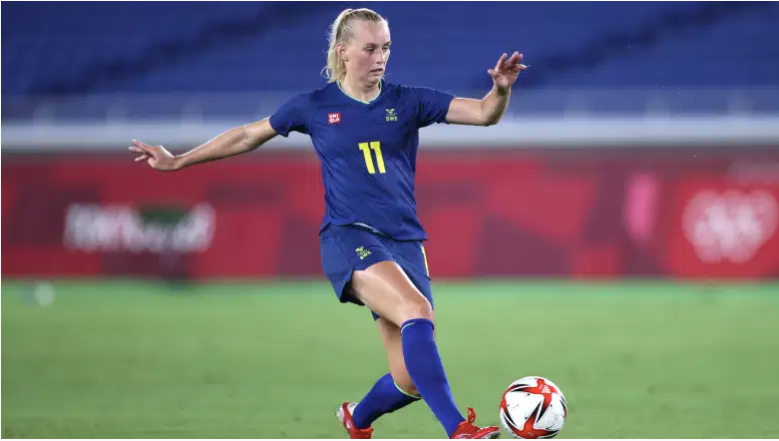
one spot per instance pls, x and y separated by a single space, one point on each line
234 142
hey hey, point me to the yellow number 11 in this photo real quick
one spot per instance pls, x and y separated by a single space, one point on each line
366 151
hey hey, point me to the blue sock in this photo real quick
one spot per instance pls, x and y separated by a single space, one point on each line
385 397
427 372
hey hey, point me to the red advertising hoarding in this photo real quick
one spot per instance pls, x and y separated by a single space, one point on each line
686 213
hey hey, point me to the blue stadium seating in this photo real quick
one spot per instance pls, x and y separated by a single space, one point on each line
147 47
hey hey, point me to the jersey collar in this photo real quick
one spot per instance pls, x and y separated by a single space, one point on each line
381 88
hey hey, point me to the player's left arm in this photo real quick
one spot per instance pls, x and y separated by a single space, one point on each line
490 109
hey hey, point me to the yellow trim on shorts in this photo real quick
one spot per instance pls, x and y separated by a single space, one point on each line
424 255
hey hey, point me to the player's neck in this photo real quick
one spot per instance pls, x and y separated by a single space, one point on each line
360 91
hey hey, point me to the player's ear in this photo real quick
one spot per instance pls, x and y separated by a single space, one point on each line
340 49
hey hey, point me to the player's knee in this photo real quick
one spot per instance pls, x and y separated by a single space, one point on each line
417 307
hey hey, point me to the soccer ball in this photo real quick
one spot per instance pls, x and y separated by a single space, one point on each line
533 407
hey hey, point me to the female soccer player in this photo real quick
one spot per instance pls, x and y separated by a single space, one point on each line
366 131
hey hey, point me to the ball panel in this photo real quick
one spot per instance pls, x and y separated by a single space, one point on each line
533 407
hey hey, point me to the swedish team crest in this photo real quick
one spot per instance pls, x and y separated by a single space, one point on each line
391 115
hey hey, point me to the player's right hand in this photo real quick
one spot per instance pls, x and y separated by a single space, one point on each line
156 156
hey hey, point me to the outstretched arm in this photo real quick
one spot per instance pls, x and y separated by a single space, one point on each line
489 110
231 143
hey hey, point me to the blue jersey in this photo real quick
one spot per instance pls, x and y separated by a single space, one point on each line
367 151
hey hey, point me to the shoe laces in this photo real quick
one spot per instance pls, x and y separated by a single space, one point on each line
467 427
471 415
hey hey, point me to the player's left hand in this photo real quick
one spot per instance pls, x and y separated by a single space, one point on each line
505 73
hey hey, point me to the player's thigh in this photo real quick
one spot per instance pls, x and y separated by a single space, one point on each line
412 258
388 291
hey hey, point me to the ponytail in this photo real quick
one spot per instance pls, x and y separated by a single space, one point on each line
342 31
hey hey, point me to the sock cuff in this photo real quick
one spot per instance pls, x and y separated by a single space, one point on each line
416 321
413 397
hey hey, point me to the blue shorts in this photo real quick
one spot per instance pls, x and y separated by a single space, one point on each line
353 248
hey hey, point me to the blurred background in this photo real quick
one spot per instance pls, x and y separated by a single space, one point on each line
616 232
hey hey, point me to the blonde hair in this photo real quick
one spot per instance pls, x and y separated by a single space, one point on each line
341 31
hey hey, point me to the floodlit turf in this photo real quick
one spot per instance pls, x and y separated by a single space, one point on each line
274 360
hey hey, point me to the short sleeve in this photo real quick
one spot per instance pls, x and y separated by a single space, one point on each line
433 106
293 116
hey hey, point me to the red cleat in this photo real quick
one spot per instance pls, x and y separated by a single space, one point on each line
467 430
344 415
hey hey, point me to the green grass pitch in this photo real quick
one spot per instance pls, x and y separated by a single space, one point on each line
131 359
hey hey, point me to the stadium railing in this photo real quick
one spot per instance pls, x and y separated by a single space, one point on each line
536 117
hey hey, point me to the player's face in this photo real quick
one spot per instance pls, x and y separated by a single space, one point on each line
369 50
